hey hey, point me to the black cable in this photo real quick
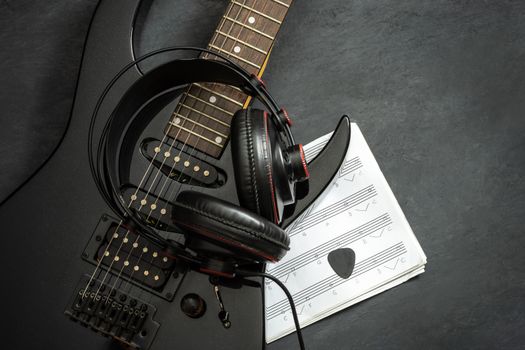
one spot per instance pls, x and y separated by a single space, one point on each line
244 273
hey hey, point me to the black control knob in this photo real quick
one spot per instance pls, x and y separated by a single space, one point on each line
193 305
298 162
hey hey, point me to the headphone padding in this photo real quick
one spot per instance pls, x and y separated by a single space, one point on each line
229 225
253 170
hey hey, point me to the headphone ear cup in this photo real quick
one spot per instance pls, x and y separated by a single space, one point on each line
227 225
252 163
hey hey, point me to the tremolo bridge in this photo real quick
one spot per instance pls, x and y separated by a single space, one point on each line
113 313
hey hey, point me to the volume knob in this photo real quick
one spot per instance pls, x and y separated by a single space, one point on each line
193 305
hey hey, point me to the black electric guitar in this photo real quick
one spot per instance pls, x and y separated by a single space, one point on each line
61 238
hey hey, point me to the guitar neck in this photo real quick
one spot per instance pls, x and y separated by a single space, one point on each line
245 34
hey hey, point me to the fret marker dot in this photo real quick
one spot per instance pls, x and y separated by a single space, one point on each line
126 263
237 49
177 159
213 99
106 253
206 173
186 164
218 139
135 245
156 278
251 20
163 211
117 258
143 202
153 206
115 235
136 268
196 168
133 197
177 120
157 149
145 249
167 154
125 240
146 272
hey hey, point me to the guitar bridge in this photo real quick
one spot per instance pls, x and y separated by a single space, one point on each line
113 313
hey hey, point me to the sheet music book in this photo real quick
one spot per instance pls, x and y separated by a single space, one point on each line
358 210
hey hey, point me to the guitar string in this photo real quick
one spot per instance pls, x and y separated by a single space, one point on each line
172 196
146 197
174 181
166 178
154 180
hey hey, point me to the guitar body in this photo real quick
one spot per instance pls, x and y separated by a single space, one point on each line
50 227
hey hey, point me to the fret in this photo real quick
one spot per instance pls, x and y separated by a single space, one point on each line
235 56
195 134
257 12
211 105
199 124
242 42
245 34
281 3
260 32
183 105
219 94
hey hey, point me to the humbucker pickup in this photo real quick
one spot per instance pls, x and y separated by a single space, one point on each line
135 257
127 256
113 313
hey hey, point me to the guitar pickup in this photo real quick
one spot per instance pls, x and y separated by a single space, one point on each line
179 165
113 313
131 257
135 257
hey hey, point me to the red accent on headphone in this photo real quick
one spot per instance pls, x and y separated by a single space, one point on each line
286 117
259 80
303 160
270 175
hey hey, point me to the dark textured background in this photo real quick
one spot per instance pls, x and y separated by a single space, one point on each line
437 88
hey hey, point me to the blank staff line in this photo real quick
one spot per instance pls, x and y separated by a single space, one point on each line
334 209
235 56
218 94
194 133
314 150
367 228
211 105
350 166
345 238
199 124
250 28
204 114
257 12
242 42
329 283
334 280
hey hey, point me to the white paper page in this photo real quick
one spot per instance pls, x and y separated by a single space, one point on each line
359 211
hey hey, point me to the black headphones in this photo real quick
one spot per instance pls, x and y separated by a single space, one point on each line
270 172
269 168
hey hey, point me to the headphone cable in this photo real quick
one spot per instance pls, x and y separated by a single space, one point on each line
281 285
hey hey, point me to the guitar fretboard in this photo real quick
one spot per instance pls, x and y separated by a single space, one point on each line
245 34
